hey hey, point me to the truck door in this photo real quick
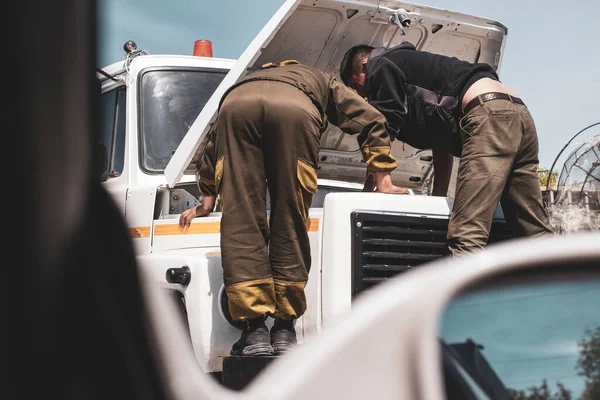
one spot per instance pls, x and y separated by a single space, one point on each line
110 155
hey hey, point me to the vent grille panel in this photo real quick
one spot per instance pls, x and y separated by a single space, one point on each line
386 245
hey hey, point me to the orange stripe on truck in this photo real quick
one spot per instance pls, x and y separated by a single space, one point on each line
139 232
312 224
196 228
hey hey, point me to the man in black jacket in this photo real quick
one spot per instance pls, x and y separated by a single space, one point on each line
461 109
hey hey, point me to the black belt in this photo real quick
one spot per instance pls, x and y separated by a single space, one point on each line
482 98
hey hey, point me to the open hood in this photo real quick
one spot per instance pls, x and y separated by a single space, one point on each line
318 33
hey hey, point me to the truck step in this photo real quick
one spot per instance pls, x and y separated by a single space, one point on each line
239 371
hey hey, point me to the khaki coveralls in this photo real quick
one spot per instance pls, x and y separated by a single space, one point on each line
267 135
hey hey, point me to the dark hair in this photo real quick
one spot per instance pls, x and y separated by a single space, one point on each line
348 67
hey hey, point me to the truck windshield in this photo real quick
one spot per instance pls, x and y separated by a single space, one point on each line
170 101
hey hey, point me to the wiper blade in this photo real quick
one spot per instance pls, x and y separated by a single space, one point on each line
101 72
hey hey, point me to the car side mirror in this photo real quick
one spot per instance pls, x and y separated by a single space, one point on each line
528 332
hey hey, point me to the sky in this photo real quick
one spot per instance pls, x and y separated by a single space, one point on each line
552 54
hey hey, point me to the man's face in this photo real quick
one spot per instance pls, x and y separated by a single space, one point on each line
358 81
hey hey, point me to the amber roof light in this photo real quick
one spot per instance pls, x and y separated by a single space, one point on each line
203 48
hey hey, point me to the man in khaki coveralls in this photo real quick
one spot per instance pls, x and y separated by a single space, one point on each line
267 135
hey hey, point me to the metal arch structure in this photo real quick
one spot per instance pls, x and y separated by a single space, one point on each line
585 160
563 149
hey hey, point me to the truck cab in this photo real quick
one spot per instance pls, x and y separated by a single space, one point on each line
157 108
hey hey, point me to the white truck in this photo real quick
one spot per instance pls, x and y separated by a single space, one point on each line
156 109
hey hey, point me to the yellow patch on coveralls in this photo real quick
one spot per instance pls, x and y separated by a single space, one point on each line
290 298
378 158
307 176
219 173
280 64
218 180
251 299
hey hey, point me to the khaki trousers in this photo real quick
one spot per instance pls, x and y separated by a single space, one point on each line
498 164
268 136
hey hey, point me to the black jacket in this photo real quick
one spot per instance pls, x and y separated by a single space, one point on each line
420 94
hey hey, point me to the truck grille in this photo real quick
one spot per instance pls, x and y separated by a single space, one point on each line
386 245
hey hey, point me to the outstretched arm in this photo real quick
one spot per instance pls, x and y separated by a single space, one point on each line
353 115
207 206
205 177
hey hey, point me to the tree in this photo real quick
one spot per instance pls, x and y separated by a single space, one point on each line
542 392
588 364
543 177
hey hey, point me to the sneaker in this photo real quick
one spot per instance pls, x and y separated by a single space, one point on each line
283 336
255 340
